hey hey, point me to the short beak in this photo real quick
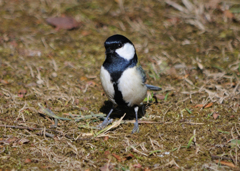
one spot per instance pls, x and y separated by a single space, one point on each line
109 51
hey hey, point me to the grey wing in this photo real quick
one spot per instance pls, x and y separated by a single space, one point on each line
150 87
153 88
142 72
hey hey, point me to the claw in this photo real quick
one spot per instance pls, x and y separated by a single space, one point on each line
135 128
105 123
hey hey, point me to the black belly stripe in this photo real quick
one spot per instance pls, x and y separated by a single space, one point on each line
118 95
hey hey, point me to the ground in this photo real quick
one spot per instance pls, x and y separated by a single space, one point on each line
189 48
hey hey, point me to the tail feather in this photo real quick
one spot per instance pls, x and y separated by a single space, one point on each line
153 88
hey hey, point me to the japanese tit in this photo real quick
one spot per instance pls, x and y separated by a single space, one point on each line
123 80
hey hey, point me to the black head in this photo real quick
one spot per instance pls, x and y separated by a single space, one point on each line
116 41
121 45
120 55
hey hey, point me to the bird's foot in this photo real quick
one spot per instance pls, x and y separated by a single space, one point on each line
104 123
135 128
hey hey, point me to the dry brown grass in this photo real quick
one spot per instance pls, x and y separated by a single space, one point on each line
189 48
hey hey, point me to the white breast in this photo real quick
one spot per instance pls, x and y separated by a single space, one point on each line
131 86
107 84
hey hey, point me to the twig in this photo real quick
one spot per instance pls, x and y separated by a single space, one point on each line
114 125
46 134
147 122
41 129
19 112
223 158
20 127
31 70
44 42
78 139
31 128
51 114
137 151
193 123
171 163
28 128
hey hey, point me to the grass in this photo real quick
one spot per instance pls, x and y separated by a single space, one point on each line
196 61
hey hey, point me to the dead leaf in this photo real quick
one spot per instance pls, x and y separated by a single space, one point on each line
106 138
23 141
199 105
215 115
159 96
106 153
146 169
137 165
83 78
91 83
22 93
208 105
46 167
117 157
230 164
85 33
12 139
4 82
76 102
228 14
67 23
27 160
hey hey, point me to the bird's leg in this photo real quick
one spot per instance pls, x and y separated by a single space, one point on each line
106 121
136 128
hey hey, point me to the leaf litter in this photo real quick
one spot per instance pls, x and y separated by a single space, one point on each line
189 48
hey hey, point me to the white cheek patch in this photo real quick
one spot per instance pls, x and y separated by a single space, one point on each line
127 51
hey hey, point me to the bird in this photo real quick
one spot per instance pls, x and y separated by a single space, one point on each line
122 78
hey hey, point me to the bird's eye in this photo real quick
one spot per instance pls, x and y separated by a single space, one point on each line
119 45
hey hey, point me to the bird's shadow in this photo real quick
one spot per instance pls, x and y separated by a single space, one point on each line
119 111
